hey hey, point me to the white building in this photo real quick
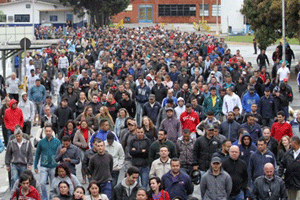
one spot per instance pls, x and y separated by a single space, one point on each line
232 19
45 12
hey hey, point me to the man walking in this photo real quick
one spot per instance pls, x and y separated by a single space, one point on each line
161 165
13 116
216 183
281 128
100 167
142 93
289 167
171 125
269 186
37 94
237 169
27 108
68 153
46 149
18 156
176 182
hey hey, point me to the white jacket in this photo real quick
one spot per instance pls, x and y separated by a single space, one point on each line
63 62
117 152
159 168
229 102
179 110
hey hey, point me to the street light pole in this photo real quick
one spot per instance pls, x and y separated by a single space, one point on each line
283 31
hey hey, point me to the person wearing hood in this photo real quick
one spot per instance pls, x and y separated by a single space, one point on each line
184 92
149 81
252 128
139 150
250 98
142 93
163 113
216 183
72 98
27 108
63 113
240 87
13 116
103 132
180 108
4 107
94 90
128 187
171 125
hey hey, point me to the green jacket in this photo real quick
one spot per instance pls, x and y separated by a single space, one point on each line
46 151
155 147
208 105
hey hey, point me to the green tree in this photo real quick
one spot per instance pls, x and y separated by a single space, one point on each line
265 18
100 11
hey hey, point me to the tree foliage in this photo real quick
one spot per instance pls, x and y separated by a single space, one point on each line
265 18
100 11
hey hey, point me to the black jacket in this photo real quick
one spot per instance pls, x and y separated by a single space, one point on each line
63 88
230 130
88 154
120 193
129 106
203 151
63 115
237 169
220 154
266 107
269 189
160 93
292 172
72 100
273 146
139 150
96 107
80 106
200 98
184 94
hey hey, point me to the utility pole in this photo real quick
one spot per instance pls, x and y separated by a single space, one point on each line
283 31
217 31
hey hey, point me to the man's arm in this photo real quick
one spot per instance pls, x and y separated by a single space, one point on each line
76 160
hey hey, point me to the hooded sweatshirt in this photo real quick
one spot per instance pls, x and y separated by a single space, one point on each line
125 192
246 151
27 109
102 135
13 117
180 109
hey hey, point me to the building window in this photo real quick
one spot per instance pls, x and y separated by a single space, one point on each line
2 18
53 18
216 11
177 10
28 6
129 8
205 11
22 18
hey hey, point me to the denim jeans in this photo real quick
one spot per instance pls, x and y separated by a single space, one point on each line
139 112
16 171
268 122
286 113
144 176
44 174
64 71
239 196
9 133
115 176
106 189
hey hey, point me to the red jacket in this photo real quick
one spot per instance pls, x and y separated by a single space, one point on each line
280 130
189 121
13 117
164 196
32 195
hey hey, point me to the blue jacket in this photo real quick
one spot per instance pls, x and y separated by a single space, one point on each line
182 187
164 102
142 94
298 79
246 151
248 100
212 57
151 112
46 151
102 136
221 50
173 76
266 107
37 94
257 162
254 131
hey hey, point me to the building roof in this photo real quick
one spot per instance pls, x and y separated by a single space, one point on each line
30 1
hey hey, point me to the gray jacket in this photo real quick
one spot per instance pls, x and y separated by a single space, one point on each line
27 109
17 155
215 187
173 128
72 153
73 183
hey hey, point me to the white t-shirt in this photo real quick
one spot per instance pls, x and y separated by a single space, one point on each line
12 86
283 73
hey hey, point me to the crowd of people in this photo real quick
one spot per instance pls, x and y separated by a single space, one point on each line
149 113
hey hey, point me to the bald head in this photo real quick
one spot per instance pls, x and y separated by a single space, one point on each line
269 170
234 152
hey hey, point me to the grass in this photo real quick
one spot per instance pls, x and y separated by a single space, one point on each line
249 39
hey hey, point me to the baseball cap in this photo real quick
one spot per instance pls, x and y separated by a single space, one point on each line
216 160
169 109
210 127
252 88
285 80
267 89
